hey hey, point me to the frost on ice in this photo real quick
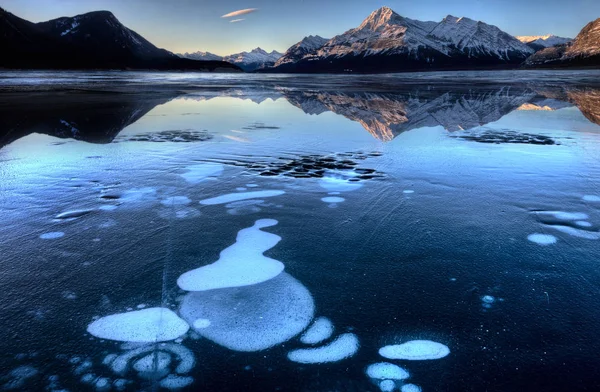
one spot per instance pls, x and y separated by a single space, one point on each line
345 346
147 325
415 350
250 318
241 264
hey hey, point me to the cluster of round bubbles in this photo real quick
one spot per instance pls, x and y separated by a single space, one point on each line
250 318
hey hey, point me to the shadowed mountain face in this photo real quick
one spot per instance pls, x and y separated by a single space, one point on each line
89 117
95 40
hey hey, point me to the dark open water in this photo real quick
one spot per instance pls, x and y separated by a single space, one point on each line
460 208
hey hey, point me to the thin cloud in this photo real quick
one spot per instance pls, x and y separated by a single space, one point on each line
240 12
236 20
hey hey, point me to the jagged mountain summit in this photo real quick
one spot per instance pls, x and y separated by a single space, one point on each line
248 61
95 40
202 56
583 51
388 42
539 42
255 59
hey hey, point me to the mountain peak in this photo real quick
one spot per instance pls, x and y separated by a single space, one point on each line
380 17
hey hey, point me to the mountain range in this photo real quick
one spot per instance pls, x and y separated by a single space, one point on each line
583 51
383 42
95 40
248 61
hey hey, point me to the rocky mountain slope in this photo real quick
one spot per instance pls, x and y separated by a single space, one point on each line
388 42
584 51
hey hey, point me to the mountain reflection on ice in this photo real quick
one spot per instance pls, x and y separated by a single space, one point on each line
382 235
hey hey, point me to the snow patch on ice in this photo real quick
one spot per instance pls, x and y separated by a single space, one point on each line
345 346
199 173
241 264
542 239
387 371
251 318
415 350
146 325
231 197
320 330
52 235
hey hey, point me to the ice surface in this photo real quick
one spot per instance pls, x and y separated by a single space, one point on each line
410 388
251 318
320 330
542 239
241 264
176 201
333 199
198 173
137 195
415 350
147 325
345 346
231 197
386 371
52 235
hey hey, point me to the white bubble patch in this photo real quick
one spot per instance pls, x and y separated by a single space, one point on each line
251 318
333 199
52 235
231 197
338 184
147 325
320 330
241 264
387 386
410 388
562 215
415 350
542 239
591 198
345 346
198 173
387 371
588 235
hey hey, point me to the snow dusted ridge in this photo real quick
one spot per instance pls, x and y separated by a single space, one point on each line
545 41
584 50
296 52
386 41
248 61
203 56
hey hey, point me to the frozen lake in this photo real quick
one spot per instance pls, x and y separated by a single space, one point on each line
415 232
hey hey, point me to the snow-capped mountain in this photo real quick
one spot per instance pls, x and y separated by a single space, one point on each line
253 60
92 40
539 42
386 41
583 51
299 50
202 56
248 61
